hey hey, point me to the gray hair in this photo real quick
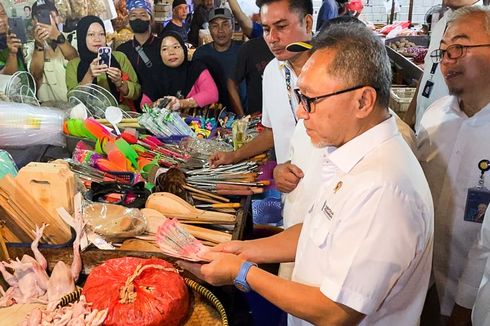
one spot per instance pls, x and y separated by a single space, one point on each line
464 12
361 57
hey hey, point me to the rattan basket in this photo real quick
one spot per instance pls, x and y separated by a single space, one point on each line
206 309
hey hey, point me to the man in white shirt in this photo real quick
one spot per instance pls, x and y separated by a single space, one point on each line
452 139
481 313
431 86
284 22
364 252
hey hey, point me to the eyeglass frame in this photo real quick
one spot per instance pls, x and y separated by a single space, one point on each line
437 58
306 103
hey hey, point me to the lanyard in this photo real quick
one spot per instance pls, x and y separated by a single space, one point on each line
288 87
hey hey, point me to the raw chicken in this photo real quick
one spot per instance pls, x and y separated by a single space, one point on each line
76 314
30 283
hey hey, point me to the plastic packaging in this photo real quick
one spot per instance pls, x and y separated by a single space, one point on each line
114 222
25 125
7 164
165 123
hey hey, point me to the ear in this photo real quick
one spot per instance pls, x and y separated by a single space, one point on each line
309 24
366 102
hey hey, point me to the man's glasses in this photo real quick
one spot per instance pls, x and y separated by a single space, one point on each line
454 51
307 101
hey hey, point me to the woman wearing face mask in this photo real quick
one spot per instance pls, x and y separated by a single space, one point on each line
119 78
189 84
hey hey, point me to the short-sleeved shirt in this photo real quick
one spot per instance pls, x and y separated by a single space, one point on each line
450 145
278 113
221 65
181 30
253 57
152 50
367 240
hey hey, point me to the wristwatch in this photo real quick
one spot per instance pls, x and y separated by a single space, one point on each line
60 39
240 281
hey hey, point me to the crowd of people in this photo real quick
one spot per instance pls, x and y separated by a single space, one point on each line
384 223
150 66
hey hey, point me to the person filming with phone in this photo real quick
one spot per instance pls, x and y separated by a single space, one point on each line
99 65
51 53
11 58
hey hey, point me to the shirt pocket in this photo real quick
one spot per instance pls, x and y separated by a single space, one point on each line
321 224
50 73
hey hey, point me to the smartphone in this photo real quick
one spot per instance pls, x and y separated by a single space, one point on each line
105 53
17 27
43 16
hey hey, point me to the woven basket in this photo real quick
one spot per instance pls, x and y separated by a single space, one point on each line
206 309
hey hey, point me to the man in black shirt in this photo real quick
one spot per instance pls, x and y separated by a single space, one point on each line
180 10
252 58
199 18
143 51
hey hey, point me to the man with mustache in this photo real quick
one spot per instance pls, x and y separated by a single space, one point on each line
284 22
452 140
363 253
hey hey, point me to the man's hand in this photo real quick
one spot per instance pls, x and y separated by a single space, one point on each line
221 158
247 250
222 268
13 43
287 177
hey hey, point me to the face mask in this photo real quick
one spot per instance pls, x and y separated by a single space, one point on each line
139 26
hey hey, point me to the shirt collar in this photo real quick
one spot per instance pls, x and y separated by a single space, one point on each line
348 155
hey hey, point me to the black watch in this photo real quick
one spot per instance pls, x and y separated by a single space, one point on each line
60 39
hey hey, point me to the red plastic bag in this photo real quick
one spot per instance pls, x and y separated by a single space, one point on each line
143 292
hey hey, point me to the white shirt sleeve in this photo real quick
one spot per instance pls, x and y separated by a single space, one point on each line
384 233
266 106
470 279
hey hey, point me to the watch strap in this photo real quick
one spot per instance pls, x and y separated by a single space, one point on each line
241 279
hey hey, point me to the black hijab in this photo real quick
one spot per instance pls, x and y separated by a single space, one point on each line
178 80
86 56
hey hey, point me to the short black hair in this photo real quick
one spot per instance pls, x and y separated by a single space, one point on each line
27 8
304 7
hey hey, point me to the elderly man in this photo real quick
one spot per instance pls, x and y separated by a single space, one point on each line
364 251
284 22
144 49
452 142
180 10
221 54
11 57
50 56
431 86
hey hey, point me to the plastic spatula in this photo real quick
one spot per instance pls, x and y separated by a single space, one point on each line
114 115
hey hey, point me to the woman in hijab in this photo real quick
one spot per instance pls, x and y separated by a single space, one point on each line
188 84
119 78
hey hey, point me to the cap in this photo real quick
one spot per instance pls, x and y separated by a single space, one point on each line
220 13
178 3
299 46
135 4
42 5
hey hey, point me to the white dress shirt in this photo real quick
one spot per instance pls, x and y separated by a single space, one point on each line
277 112
367 240
450 145
481 310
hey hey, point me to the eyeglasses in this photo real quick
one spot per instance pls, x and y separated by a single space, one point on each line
307 101
454 51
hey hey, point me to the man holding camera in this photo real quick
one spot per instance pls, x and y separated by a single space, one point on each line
51 53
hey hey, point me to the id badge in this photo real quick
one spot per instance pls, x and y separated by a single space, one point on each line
477 201
427 89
